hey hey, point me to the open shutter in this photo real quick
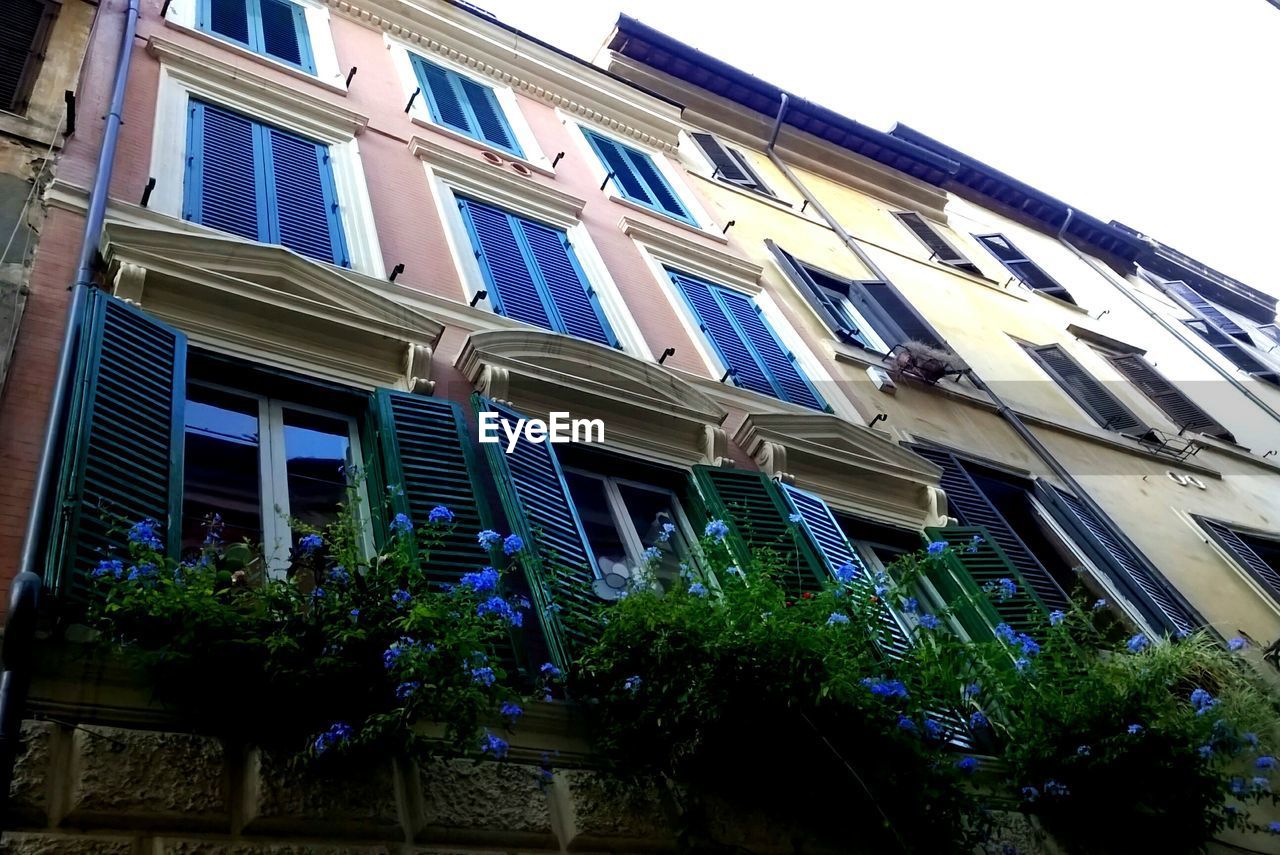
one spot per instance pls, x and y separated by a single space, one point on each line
23 39
572 300
1262 572
1023 268
227 18
1094 398
303 202
1120 560
1208 310
284 33
757 515
122 456
730 166
895 307
976 565
940 247
789 383
968 504
224 189
557 560
1180 409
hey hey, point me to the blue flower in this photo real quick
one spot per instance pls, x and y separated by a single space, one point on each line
512 544
1205 751
1053 788
1274 827
929 621
1003 588
1265 763
1030 793
113 567
933 730
355 614
397 649
405 690
337 734
481 582
845 573
1251 738
510 711
698 589
1021 664
495 605
978 721
1261 784
1237 786
1084 750
1236 644
339 575
937 547
141 571
488 538
310 543
318 594
716 530
440 514
1056 617
483 676
632 684
668 529
1138 643
495 745
1203 701
796 518
886 688
974 544
837 618
1005 633
551 672
1100 603
401 525
967 765
401 597
143 533
1135 729
881 589
1030 647
733 570
970 691
652 554
911 605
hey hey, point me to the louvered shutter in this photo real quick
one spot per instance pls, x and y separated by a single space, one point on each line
445 101
284 33
637 176
1232 350
730 166
507 274
557 560
1131 572
941 249
971 507
807 282
1024 269
464 105
1210 312
302 198
910 324
1087 391
22 43
573 301
489 120
757 515
976 566
1180 409
780 363
122 458
722 334
224 185
1262 572
227 18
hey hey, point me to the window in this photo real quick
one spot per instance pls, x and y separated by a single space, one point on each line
730 165
1257 554
273 28
637 177
262 183
532 274
23 39
746 345
1024 269
464 105
1094 398
621 519
1180 409
939 247
261 463
1234 352
870 314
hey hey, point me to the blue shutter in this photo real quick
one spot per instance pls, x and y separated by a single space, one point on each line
557 560
122 457
574 303
284 33
490 121
657 183
637 176
226 18
722 334
302 198
507 275
462 104
444 101
780 364
223 185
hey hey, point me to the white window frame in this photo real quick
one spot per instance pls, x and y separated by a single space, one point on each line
508 102
868 329
273 474
182 15
169 155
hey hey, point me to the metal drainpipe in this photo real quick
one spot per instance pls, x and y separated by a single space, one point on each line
19 634
1003 409
1124 288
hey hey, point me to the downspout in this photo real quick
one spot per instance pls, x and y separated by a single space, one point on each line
19 635
1124 288
1004 410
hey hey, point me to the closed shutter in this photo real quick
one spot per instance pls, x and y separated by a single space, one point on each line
1103 407
940 248
778 362
227 18
1180 409
636 175
224 187
1236 546
462 104
284 33
302 198
1131 572
970 506
572 299
557 560
731 167
723 335
974 567
490 122
23 39
756 512
122 459
1208 310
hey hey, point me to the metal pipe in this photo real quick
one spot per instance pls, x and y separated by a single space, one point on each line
777 122
18 658
1002 409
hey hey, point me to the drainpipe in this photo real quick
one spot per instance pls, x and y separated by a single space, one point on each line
1123 288
19 634
1005 412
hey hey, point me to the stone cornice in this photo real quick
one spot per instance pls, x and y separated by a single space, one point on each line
692 256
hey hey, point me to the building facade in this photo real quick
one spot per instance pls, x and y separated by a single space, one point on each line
336 232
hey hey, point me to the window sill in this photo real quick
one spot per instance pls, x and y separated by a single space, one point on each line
1063 303
627 203
506 156
232 47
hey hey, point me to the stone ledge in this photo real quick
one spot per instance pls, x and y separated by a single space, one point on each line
169 846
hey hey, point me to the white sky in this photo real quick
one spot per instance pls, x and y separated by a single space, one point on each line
1159 113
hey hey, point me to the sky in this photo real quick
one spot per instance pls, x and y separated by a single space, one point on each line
1159 113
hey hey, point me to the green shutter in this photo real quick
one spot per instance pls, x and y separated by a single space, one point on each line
756 512
122 455
970 572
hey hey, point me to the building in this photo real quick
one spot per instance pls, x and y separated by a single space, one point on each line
335 232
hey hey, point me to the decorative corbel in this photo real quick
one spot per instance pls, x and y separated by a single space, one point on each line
715 445
417 369
935 501
495 383
128 283
772 457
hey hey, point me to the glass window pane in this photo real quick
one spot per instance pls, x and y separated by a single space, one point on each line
220 467
650 511
607 545
317 448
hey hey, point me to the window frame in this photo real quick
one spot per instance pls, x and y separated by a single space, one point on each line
960 262
1140 429
694 216
257 40
325 72
756 184
455 78
1057 291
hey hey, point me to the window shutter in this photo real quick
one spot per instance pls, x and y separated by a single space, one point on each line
226 18
490 121
571 299
636 175
557 560
462 104
971 572
302 197
1232 350
1180 409
968 504
1262 572
512 290
223 188
779 363
1103 407
806 284
756 513
1024 269
284 33
1119 559
657 182
1208 310
444 101
23 39
731 167
909 323
123 448
940 248
724 338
